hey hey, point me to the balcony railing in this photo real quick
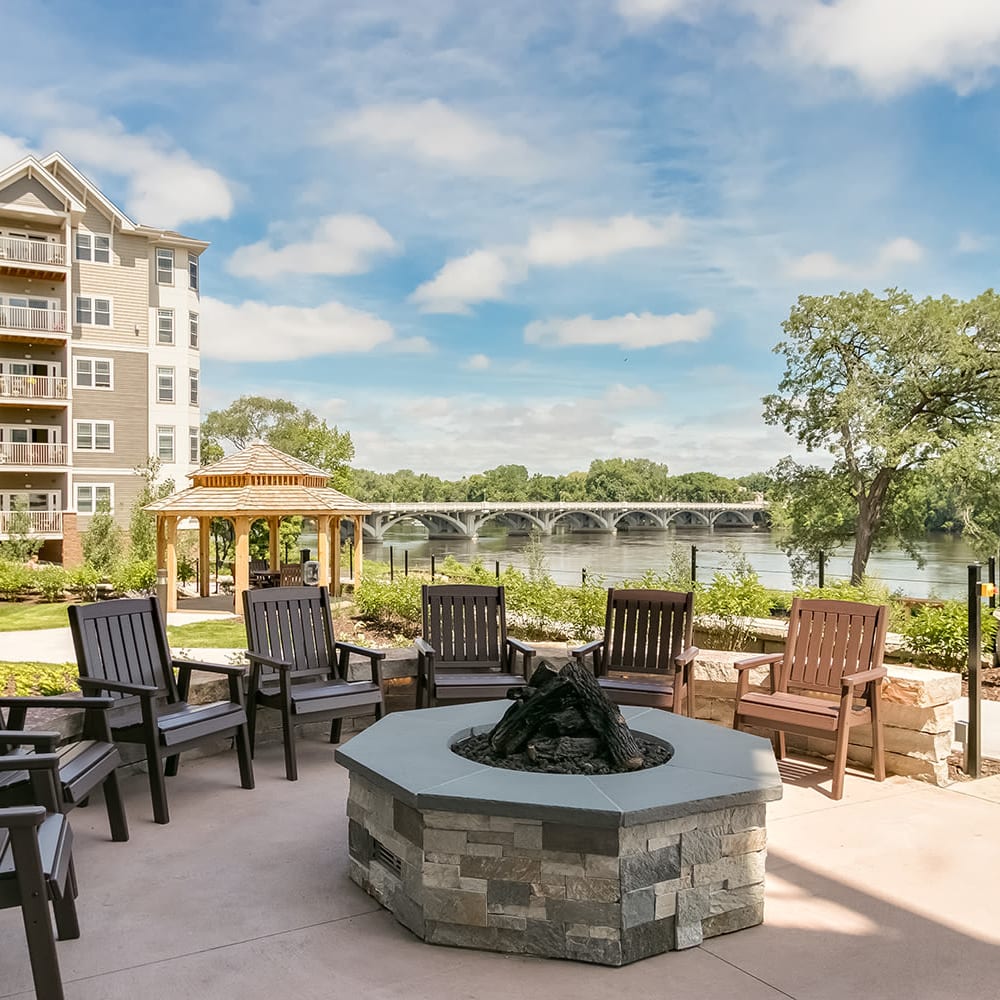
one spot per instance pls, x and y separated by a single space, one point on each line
33 387
40 252
41 522
29 318
29 453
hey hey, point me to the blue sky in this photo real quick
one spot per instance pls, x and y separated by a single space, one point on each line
534 232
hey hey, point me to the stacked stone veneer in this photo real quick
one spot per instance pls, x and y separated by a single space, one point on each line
605 895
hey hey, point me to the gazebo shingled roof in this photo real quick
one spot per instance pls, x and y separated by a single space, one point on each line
257 482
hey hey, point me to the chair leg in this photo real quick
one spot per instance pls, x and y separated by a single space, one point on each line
779 745
64 908
291 768
35 914
157 783
878 738
335 726
117 819
840 760
252 721
245 755
173 763
379 711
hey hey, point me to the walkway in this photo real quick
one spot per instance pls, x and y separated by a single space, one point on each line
889 893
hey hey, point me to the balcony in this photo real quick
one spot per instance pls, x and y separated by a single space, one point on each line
33 258
32 320
45 523
29 454
19 388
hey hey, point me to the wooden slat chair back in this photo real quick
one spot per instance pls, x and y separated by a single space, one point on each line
646 632
291 575
122 651
833 648
465 653
299 668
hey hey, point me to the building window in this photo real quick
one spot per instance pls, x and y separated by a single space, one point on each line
193 319
164 385
164 266
90 499
165 443
94 435
91 311
193 382
164 326
89 246
193 271
93 373
193 445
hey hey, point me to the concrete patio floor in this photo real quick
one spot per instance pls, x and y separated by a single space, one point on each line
891 892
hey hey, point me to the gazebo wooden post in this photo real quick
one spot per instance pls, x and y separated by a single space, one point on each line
335 557
204 556
359 538
241 571
323 543
274 551
171 560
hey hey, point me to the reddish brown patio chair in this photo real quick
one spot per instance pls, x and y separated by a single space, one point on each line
833 648
647 638
465 653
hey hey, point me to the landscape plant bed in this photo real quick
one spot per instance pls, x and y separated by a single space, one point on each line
990 683
956 767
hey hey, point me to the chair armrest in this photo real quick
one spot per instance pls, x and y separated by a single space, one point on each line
30 762
22 816
590 647
374 654
521 647
55 701
19 737
229 669
260 659
863 677
687 656
424 648
758 661
100 684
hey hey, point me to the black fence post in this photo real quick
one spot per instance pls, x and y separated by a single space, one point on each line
991 568
822 569
694 563
406 562
392 566
583 576
973 732
350 557
432 569
498 569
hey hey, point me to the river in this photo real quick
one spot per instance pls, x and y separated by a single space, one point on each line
630 554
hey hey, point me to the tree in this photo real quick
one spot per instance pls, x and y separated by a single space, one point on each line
142 526
627 479
102 541
704 487
888 386
19 545
284 426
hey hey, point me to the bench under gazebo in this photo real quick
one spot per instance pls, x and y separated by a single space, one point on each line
257 483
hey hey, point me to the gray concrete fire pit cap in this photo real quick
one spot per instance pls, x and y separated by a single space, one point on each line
409 754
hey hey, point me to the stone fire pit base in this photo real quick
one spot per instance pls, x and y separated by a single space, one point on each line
607 869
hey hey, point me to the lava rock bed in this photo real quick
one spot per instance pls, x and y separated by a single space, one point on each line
560 756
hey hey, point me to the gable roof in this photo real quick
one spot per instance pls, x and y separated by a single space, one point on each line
57 159
259 459
32 167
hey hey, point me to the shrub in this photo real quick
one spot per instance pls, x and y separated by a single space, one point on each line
134 576
82 581
50 582
390 603
37 678
731 602
15 580
869 591
102 542
939 636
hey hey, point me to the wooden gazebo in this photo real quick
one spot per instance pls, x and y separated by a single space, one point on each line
259 482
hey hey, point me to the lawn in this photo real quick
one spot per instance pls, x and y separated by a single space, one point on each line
16 616
226 634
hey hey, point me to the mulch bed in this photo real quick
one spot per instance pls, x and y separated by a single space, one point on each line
990 678
956 764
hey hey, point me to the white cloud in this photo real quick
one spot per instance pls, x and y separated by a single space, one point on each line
631 330
643 12
631 397
825 266
568 241
477 363
972 243
480 276
12 149
166 186
339 244
435 133
893 45
256 331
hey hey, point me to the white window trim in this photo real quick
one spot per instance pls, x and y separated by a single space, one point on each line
93 248
93 487
173 265
160 313
173 385
194 382
194 438
173 442
195 318
97 326
93 437
98 388
194 259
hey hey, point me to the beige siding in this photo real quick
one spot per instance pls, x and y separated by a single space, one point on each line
43 289
39 482
126 405
68 182
125 487
29 193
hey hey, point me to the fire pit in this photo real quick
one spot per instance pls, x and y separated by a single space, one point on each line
603 868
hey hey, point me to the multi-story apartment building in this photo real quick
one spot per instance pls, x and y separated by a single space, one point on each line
99 351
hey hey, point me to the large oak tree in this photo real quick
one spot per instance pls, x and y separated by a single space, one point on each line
893 388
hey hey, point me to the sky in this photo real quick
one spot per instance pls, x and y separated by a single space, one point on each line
535 232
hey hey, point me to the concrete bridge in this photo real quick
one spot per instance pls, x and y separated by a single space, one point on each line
465 520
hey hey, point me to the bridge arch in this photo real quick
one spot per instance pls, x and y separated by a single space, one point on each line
591 520
688 517
436 523
531 521
731 517
623 516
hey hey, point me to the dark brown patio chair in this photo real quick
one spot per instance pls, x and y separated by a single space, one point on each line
36 866
646 656
84 764
299 668
833 648
291 575
465 653
121 649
